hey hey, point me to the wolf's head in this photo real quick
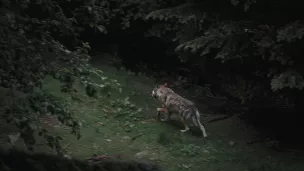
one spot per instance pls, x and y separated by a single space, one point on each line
156 88
160 89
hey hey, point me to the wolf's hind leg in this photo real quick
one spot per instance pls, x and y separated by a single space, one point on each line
194 121
185 125
203 129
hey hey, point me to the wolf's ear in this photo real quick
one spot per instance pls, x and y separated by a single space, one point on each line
166 85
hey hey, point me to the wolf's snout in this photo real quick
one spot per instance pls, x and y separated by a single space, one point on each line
153 94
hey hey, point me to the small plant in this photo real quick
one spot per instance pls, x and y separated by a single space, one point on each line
191 150
128 111
164 139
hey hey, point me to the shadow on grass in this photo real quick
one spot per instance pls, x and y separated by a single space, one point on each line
15 160
177 125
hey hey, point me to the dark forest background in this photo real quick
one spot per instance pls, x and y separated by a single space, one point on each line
248 51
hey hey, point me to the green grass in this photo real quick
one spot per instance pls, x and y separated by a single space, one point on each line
103 132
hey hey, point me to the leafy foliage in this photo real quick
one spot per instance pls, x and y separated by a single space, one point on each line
266 50
32 47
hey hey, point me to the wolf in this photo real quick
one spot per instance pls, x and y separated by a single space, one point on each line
174 103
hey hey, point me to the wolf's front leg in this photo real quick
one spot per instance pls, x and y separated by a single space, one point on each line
158 115
160 110
168 117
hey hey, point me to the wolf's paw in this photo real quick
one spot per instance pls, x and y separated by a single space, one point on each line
164 120
185 130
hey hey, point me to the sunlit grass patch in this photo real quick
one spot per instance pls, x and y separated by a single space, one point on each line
123 122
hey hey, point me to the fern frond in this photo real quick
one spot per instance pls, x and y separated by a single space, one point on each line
291 32
183 13
288 79
229 39
204 42
200 11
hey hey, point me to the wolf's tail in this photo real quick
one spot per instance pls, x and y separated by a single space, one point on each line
198 122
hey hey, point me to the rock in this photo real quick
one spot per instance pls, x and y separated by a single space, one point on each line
142 154
13 138
126 138
231 143
67 156
109 140
146 166
206 151
95 146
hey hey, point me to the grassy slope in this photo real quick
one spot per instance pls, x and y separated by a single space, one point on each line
103 133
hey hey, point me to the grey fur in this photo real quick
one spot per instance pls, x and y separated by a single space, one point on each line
176 104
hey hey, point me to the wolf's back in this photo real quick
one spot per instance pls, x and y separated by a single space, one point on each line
175 102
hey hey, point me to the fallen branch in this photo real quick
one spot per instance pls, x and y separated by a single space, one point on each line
220 118
136 136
